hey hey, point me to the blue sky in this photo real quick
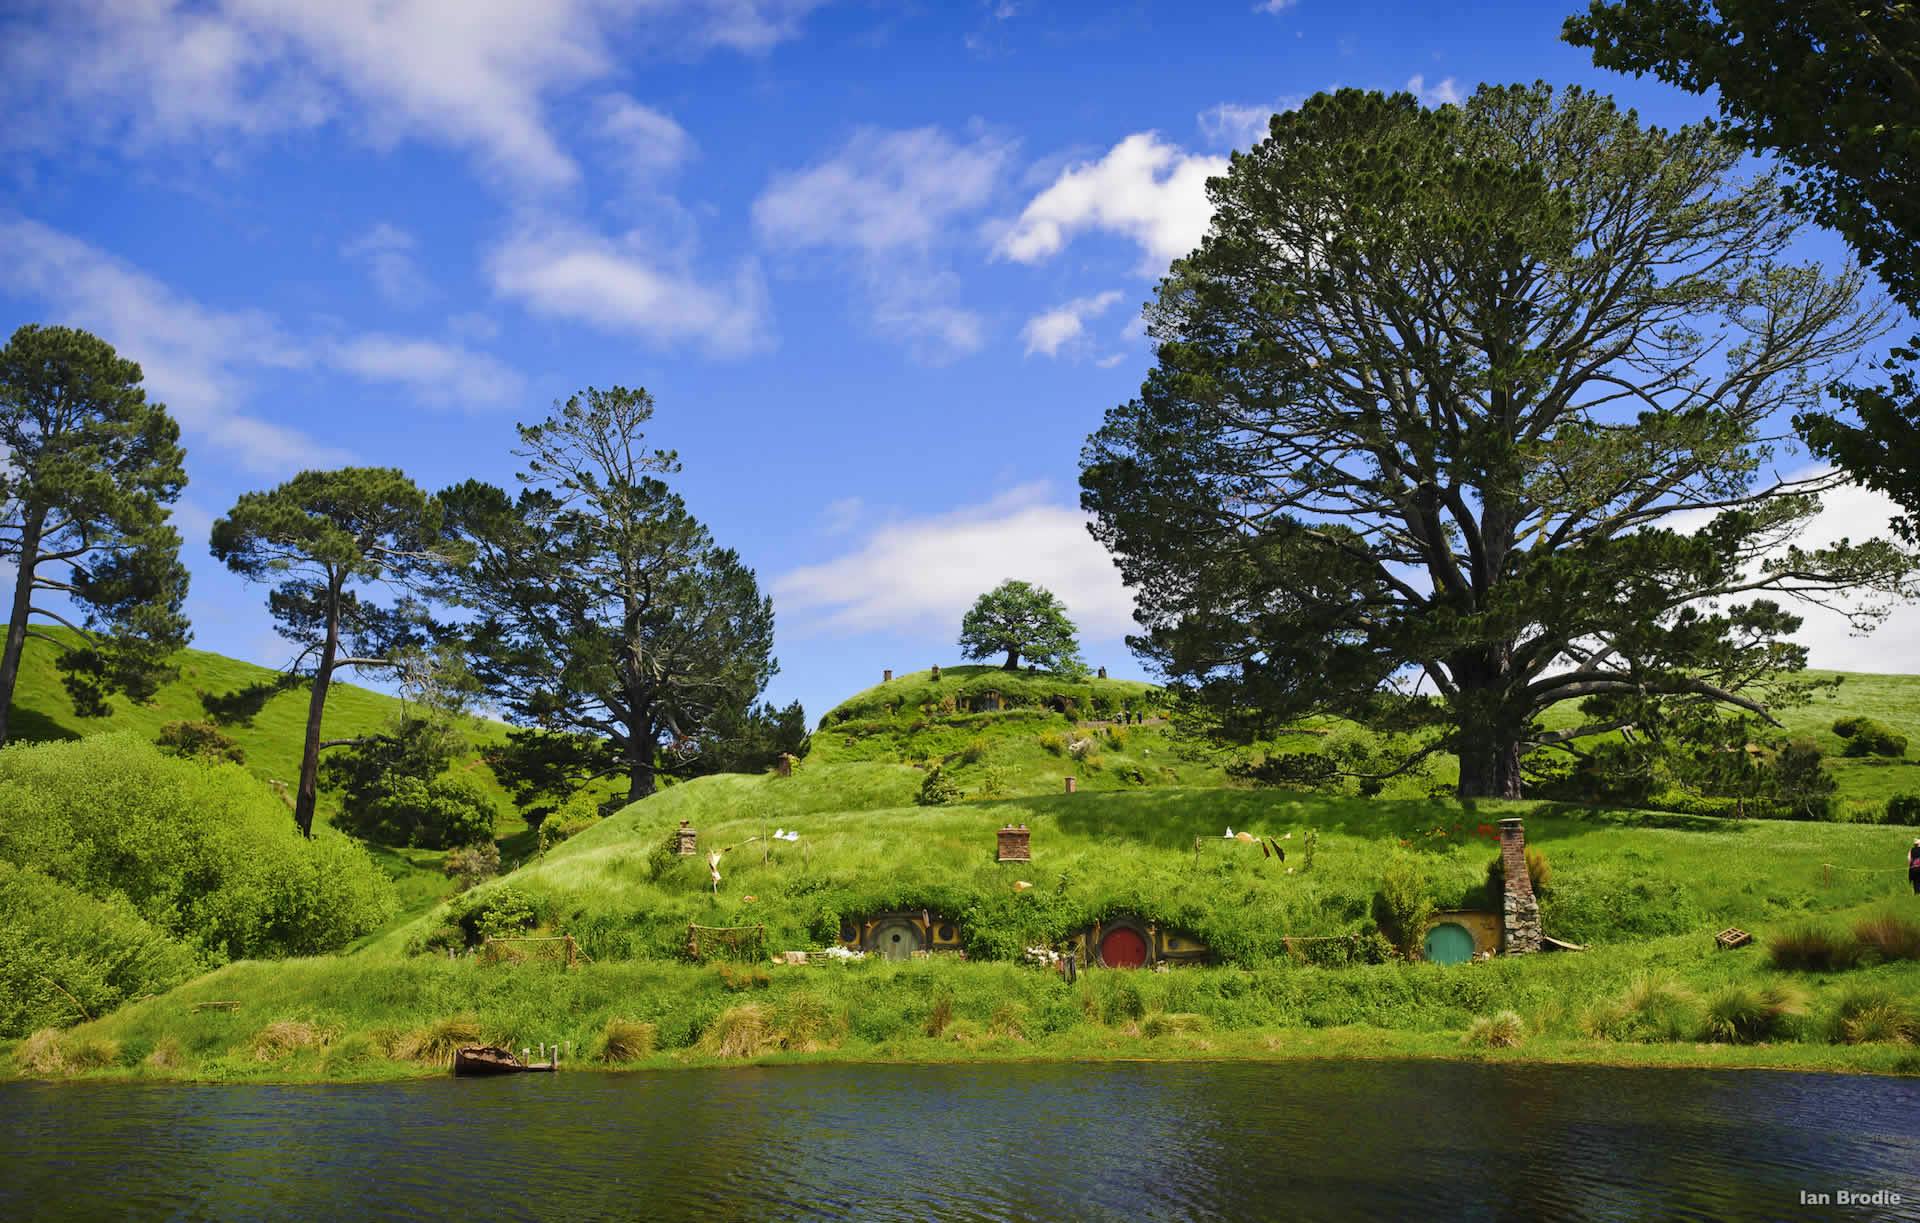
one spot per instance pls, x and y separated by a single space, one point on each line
880 264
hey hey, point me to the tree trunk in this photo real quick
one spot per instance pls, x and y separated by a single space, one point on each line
308 797
1013 661
1489 765
36 520
640 771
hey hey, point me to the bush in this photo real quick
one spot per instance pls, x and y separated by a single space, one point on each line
395 790
938 790
1502 1031
1903 809
974 751
472 864
1874 1015
1802 782
1054 742
1813 949
575 816
1746 1014
66 956
1402 907
1539 873
207 855
1866 737
627 1040
199 741
1888 937
1652 1009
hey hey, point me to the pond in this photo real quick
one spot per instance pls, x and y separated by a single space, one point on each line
1055 1141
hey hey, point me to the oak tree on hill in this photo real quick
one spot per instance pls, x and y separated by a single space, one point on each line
1479 401
1021 620
87 469
328 539
607 623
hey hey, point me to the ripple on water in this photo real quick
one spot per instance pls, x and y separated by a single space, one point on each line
1093 1141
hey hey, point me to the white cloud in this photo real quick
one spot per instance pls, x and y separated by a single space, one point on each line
924 573
1236 126
842 515
387 252
623 287
881 191
201 361
194 358
1443 93
888 200
1856 513
1274 6
647 143
1048 332
1150 192
437 373
476 74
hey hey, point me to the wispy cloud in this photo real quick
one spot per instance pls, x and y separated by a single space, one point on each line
1064 325
441 374
1444 92
387 252
1235 125
923 573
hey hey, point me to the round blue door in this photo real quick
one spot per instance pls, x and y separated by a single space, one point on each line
1449 943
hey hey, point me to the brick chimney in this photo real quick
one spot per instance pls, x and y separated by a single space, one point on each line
1013 844
1519 909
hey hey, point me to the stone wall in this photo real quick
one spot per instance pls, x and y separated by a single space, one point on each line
1519 908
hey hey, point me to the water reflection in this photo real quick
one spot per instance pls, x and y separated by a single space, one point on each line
1112 1141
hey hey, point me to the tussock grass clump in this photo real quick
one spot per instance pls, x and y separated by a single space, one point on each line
1009 1021
48 1054
940 1015
1874 1015
284 1038
1654 1008
1888 937
1504 1030
627 1040
1813 949
807 1023
1749 1014
1175 1023
738 980
166 1055
741 1032
436 1043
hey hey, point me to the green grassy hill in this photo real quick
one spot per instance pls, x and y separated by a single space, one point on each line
1143 836
268 719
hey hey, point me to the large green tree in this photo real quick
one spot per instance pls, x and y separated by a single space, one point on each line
1020 620
328 540
87 469
1832 88
1478 402
606 621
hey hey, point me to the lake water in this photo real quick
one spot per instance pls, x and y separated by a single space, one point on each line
1105 1141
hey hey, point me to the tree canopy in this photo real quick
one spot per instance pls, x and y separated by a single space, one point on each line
1479 402
606 621
1833 88
327 540
87 469
1021 620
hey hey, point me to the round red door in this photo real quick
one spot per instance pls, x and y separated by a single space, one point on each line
1123 947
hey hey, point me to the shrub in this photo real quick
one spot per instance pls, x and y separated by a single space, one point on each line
166 1055
1747 1014
1652 1009
1403 907
1290 771
1903 809
1054 742
626 1040
1502 1031
1802 782
741 1031
208 856
1874 1015
1813 949
938 790
995 781
1888 937
472 864
284 1038
199 741
940 1014
436 1043
807 1023
575 816
1866 737
1539 873
974 751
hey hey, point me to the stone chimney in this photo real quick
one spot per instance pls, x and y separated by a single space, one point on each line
783 764
1070 784
1103 673
684 840
936 673
886 677
1013 845
1519 909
